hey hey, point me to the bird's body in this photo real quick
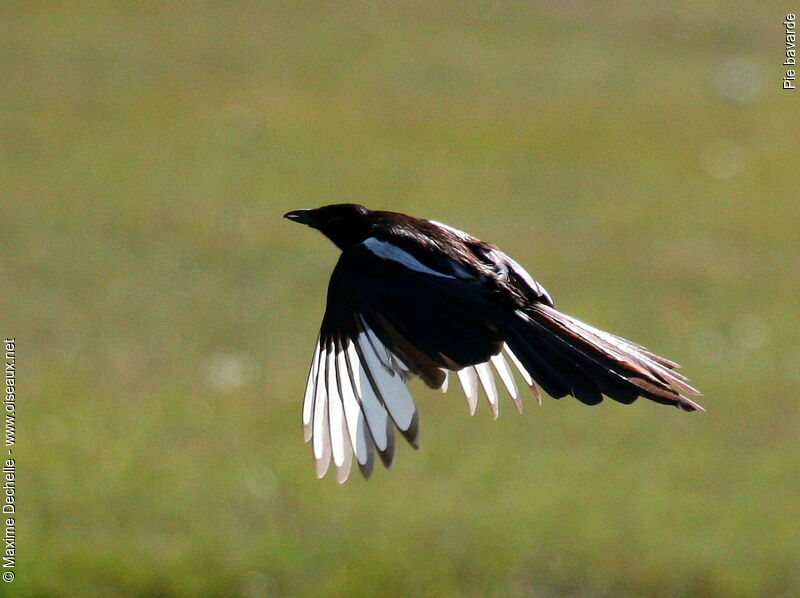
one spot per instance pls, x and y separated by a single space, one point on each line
417 297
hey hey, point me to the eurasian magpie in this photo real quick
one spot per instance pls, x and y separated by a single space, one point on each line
417 297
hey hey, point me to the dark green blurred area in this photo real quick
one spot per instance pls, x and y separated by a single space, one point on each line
640 161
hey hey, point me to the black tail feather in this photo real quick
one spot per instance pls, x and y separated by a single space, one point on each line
566 356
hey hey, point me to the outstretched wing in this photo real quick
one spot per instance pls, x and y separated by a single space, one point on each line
388 316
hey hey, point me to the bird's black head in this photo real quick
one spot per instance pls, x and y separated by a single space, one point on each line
345 223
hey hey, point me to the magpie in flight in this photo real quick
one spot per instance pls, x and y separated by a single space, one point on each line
417 297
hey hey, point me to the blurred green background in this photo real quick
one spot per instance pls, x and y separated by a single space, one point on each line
639 159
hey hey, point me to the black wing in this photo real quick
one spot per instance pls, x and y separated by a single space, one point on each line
387 319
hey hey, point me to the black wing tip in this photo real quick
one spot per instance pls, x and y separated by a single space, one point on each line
411 433
387 454
367 468
687 404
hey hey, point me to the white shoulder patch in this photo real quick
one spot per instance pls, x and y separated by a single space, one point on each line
389 251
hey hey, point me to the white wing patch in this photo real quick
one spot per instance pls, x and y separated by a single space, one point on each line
372 409
487 381
308 400
507 377
354 396
335 412
469 382
524 373
389 251
388 383
320 434
354 418
470 375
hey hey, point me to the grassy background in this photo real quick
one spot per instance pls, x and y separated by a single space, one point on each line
640 160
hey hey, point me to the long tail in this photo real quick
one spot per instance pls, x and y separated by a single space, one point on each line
568 357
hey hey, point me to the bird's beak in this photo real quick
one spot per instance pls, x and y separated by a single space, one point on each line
302 216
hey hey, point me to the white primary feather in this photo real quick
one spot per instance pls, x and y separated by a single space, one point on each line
308 400
470 375
390 385
321 434
389 360
320 409
374 412
469 382
351 394
499 363
343 470
335 415
487 381
523 372
356 425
